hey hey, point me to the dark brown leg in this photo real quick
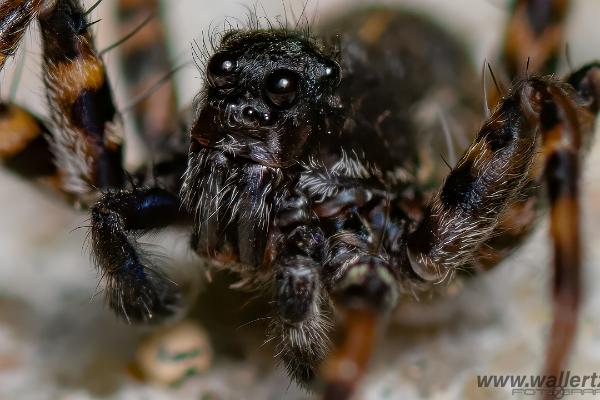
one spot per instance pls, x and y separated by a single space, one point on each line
87 143
489 177
145 62
15 17
87 146
494 171
564 138
88 139
521 216
136 289
533 42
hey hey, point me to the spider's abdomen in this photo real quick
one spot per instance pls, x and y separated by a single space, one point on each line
402 74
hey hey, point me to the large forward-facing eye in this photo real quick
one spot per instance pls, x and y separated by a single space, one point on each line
221 70
281 87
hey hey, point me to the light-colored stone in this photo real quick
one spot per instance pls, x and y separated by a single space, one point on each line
173 353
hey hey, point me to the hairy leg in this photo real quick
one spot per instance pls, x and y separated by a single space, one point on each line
537 113
533 42
86 140
88 132
86 145
357 272
136 289
15 17
562 149
488 177
311 271
301 347
302 321
520 217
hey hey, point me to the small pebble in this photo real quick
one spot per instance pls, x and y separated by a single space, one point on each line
173 353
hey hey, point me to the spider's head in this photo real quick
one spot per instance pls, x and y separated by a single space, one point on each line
267 93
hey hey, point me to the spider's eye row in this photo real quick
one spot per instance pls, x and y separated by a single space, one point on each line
281 87
221 70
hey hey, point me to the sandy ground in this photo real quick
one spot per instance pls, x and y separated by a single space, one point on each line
57 341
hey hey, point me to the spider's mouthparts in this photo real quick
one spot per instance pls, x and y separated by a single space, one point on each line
368 284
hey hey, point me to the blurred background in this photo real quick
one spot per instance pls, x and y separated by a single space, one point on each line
57 341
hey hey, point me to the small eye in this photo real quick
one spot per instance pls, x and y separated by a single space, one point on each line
331 73
220 70
281 87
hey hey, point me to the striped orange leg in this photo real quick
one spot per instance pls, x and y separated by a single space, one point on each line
15 17
344 368
24 143
87 140
564 138
145 62
25 148
88 137
535 32
533 41
537 112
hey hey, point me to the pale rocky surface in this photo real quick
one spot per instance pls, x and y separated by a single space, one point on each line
173 353
57 341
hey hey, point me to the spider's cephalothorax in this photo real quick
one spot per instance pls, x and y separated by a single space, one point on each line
313 171
268 98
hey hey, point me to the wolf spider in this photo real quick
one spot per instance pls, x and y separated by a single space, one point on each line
309 166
